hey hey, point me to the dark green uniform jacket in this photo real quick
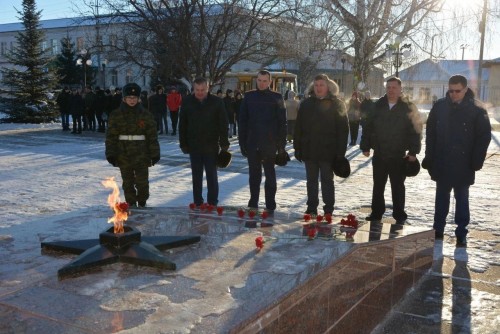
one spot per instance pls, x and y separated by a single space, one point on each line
136 121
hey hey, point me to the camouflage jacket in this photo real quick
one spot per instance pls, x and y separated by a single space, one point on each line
127 121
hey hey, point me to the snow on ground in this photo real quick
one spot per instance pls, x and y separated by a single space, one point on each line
46 172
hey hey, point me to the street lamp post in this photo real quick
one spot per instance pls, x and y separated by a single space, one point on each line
343 59
85 62
399 51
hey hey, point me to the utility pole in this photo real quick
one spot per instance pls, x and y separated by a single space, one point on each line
482 29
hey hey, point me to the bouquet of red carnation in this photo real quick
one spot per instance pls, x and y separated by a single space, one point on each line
122 206
351 221
259 243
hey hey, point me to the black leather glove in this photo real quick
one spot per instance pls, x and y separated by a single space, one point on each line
154 160
243 151
298 156
185 149
112 161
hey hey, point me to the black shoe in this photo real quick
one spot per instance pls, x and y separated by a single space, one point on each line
371 218
461 242
438 235
132 205
142 204
401 221
311 212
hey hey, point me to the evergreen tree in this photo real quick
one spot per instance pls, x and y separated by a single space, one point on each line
30 80
68 72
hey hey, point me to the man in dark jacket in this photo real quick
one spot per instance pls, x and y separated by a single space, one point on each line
262 134
158 107
132 145
64 103
394 133
458 133
202 131
320 138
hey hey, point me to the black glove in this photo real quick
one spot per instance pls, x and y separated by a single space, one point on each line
224 148
298 156
112 161
243 151
281 150
185 149
426 163
154 160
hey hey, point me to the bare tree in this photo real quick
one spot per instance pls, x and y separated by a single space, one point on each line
186 38
372 24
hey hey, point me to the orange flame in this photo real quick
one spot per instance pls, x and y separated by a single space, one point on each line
120 209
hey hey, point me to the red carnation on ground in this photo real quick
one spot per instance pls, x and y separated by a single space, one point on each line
307 217
259 243
264 214
319 218
203 206
192 206
328 218
210 208
251 214
220 210
241 213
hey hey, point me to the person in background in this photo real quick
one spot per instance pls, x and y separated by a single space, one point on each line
89 119
144 99
64 103
321 133
174 100
229 106
132 145
262 134
77 109
202 132
292 108
158 107
238 98
394 133
366 108
354 117
458 132
101 105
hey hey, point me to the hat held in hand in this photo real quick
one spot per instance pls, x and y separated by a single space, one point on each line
412 167
341 167
224 159
282 158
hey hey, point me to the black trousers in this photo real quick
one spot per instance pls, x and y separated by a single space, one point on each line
174 117
392 169
256 162
324 171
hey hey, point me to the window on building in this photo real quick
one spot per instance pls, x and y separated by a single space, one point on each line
424 94
44 45
80 43
3 48
128 76
113 40
114 78
55 46
408 91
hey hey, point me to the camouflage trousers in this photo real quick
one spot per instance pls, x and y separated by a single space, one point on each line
135 183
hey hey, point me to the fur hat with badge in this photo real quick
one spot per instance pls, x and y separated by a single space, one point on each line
224 159
131 89
412 168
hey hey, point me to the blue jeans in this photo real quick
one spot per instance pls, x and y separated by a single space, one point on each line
65 121
313 171
208 162
255 163
442 207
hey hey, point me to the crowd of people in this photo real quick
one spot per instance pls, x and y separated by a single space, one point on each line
321 126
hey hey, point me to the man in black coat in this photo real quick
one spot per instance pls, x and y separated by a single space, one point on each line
158 107
320 138
394 133
202 131
262 134
458 133
64 103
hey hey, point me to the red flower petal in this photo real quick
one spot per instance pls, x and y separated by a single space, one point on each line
259 242
307 217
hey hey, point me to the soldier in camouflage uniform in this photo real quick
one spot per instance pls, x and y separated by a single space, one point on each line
132 145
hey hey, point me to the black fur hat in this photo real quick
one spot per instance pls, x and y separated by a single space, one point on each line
412 168
282 158
224 159
341 167
131 89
